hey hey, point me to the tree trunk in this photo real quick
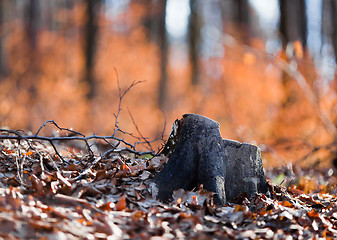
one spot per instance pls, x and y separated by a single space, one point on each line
198 155
333 9
241 11
163 47
150 20
32 23
90 45
293 21
293 26
194 41
241 18
3 61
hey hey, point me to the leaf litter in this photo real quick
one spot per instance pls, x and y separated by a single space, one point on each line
41 198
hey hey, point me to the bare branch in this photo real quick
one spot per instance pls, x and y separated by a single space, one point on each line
330 146
64 129
86 171
140 134
121 96
292 70
57 153
60 128
72 135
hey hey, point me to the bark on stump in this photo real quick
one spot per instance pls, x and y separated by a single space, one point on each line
198 154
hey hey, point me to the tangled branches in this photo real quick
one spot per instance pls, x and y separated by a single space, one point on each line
115 144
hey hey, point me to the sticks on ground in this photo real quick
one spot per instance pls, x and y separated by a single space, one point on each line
72 135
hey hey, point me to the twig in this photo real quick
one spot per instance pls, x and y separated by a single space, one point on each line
74 135
291 70
159 150
105 154
57 152
140 134
62 138
64 129
132 151
316 149
7 158
121 96
117 128
60 128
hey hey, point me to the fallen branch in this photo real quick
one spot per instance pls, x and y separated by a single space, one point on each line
72 135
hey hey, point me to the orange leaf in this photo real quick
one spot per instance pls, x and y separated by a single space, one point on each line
240 208
313 213
121 204
287 204
194 200
27 153
298 48
137 215
7 150
125 167
107 206
84 222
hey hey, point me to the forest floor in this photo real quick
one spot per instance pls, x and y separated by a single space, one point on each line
45 197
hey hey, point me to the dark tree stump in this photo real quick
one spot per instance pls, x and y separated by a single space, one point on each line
198 154
244 169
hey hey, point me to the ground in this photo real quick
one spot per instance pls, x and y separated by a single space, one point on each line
45 197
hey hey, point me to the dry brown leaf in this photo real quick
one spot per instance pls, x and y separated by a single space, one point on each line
37 184
121 204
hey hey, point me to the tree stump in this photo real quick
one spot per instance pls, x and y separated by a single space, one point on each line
198 155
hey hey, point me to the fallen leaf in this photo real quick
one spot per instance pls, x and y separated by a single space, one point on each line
121 204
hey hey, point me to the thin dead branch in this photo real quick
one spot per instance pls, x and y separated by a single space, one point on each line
140 134
291 69
71 135
121 97
314 150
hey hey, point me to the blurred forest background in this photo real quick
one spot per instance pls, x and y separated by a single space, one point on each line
264 69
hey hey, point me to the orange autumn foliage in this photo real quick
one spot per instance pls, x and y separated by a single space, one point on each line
252 99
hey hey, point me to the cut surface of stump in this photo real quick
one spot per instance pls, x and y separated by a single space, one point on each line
198 155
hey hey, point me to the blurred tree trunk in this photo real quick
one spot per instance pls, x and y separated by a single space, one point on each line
293 21
241 11
90 44
241 18
150 20
3 60
163 47
32 22
194 41
325 20
333 9
32 29
292 27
